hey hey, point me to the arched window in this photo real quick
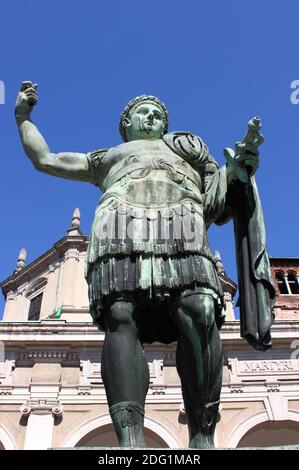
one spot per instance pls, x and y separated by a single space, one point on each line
281 282
293 283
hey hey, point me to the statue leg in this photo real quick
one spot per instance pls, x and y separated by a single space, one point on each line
199 364
125 373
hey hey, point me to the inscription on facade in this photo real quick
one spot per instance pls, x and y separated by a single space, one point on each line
265 366
273 367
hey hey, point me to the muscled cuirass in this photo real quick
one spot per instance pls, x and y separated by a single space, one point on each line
152 178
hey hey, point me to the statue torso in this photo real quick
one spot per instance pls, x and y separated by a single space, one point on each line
148 230
148 173
151 203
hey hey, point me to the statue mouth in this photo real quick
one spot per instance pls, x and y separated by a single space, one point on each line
147 126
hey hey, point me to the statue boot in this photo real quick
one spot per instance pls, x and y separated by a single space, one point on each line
202 419
128 418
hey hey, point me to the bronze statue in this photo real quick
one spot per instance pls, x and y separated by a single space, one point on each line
150 271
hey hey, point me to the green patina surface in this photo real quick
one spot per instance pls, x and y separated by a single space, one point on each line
150 270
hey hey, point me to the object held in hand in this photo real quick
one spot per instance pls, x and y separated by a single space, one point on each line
243 161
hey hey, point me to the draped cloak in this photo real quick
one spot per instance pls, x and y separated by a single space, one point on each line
218 204
241 202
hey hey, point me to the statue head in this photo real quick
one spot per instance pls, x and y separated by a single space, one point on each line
144 117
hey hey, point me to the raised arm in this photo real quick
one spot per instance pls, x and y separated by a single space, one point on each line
68 165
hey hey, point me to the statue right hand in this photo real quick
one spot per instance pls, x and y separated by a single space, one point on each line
26 99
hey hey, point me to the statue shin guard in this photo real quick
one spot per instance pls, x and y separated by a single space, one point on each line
127 418
202 419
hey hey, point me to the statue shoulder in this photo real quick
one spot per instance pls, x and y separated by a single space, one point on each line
190 147
96 156
96 163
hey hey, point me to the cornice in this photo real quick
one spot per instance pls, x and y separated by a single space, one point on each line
58 332
42 263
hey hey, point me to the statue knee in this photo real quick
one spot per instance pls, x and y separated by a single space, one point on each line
200 307
120 316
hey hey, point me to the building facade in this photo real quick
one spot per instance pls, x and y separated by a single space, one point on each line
51 390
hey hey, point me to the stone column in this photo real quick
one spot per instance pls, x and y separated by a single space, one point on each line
81 299
49 297
69 272
287 283
21 306
230 314
9 307
16 306
40 424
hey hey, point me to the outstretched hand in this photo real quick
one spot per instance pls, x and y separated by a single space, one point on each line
26 99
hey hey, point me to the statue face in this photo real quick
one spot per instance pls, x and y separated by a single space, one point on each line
145 122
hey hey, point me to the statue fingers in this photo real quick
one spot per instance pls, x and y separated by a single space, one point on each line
26 99
229 153
25 85
31 95
256 138
247 161
246 147
30 92
33 100
260 139
242 157
252 162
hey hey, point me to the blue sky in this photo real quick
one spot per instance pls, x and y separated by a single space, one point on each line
215 64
